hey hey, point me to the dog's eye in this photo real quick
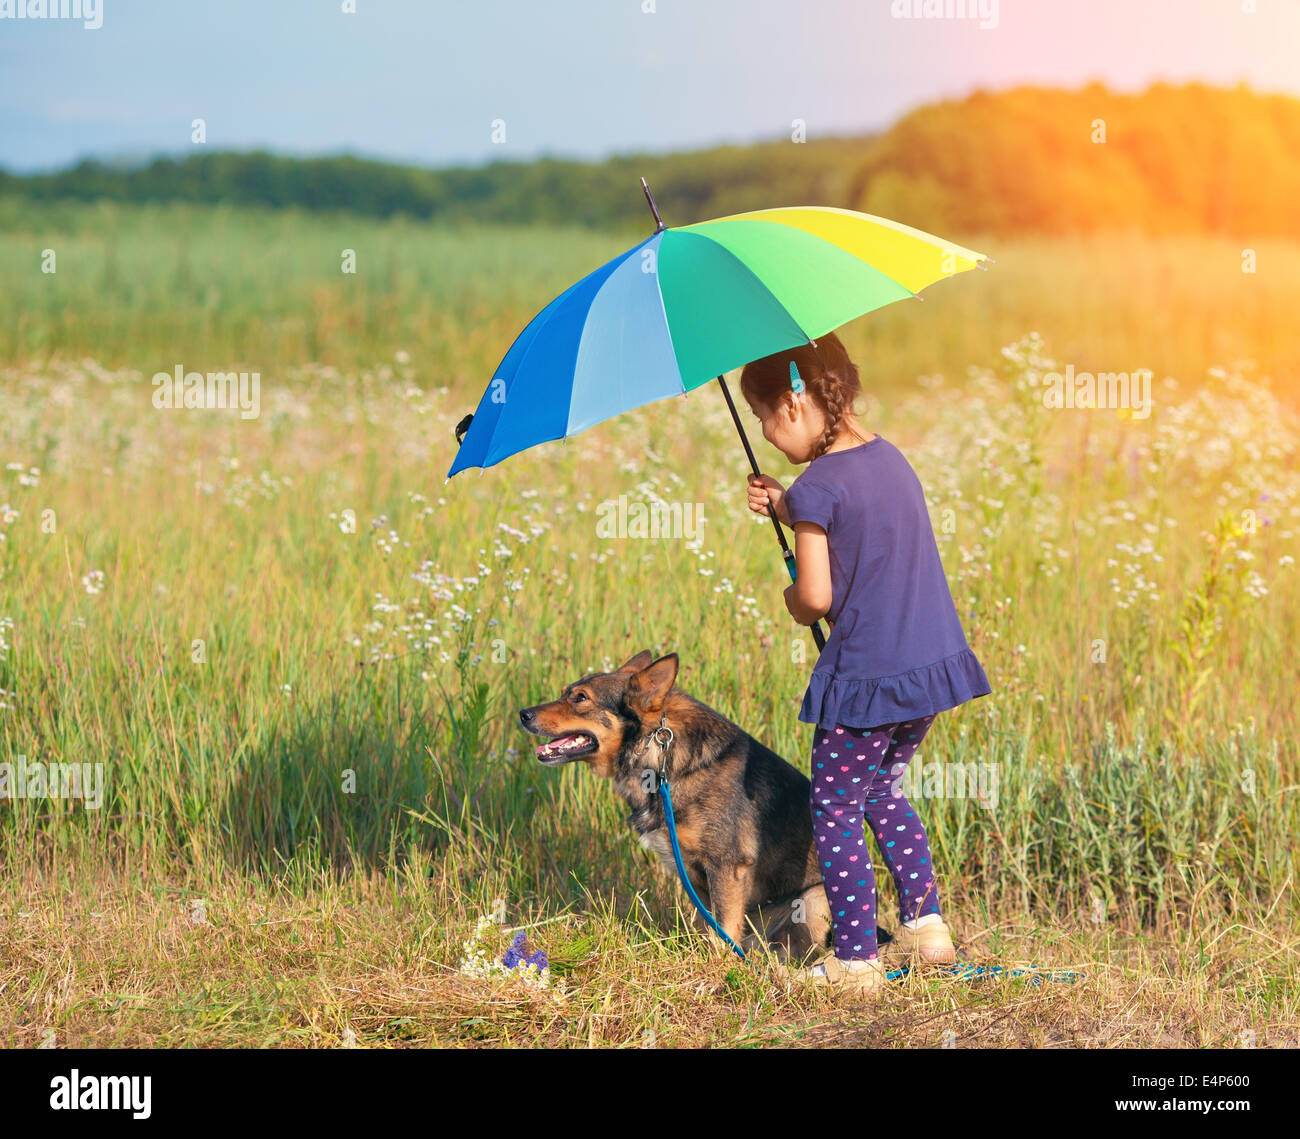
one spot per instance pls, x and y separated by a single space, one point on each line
578 697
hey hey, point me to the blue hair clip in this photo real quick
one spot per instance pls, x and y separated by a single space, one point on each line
796 381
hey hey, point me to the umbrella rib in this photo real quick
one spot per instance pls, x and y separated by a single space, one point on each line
663 311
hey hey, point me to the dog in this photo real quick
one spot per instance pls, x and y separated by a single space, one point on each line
742 812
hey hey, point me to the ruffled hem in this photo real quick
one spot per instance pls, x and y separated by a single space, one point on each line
832 700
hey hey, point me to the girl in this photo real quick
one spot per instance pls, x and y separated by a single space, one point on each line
866 560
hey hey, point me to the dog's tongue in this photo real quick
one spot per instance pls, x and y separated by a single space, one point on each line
561 745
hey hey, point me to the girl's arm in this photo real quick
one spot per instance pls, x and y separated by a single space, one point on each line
808 597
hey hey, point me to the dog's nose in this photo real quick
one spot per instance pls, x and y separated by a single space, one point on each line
526 716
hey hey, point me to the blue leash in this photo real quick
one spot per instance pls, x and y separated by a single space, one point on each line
961 969
681 871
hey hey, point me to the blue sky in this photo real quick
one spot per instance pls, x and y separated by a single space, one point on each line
424 81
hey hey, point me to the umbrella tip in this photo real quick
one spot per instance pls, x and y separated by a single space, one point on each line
654 209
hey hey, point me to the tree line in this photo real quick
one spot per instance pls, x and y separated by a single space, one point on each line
1028 160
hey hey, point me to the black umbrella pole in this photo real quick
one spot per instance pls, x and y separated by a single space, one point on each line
786 552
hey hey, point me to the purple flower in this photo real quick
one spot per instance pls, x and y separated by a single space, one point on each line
520 951
517 951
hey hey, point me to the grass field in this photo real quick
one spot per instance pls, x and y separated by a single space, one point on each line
314 785
218 288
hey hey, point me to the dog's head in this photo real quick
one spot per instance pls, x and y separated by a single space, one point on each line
596 717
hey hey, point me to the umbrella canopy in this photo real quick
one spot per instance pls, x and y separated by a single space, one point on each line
689 304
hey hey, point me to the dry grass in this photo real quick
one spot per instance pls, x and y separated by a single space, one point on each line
105 966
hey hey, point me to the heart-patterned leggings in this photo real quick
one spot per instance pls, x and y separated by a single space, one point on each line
856 772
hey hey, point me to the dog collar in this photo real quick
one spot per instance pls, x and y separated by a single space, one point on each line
663 735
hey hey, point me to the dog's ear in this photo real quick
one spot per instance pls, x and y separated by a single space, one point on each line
647 688
638 662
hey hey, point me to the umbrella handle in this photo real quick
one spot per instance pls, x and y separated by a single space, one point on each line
788 554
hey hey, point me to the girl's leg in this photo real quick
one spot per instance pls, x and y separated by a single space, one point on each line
844 762
898 830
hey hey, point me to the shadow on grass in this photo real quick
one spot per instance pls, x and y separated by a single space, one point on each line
384 787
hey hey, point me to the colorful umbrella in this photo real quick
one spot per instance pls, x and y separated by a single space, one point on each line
688 304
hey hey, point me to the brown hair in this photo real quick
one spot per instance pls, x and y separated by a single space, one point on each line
830 379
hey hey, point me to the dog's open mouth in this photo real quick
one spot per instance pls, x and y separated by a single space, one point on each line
566 748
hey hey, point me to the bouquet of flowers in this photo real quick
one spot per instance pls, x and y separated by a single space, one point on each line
520 960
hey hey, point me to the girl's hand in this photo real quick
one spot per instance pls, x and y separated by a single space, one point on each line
764 489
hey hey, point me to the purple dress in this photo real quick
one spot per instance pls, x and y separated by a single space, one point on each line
897 651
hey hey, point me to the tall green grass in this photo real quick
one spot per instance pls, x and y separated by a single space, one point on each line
268 690
216 288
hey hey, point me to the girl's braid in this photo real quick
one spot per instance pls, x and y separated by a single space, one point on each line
834 398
